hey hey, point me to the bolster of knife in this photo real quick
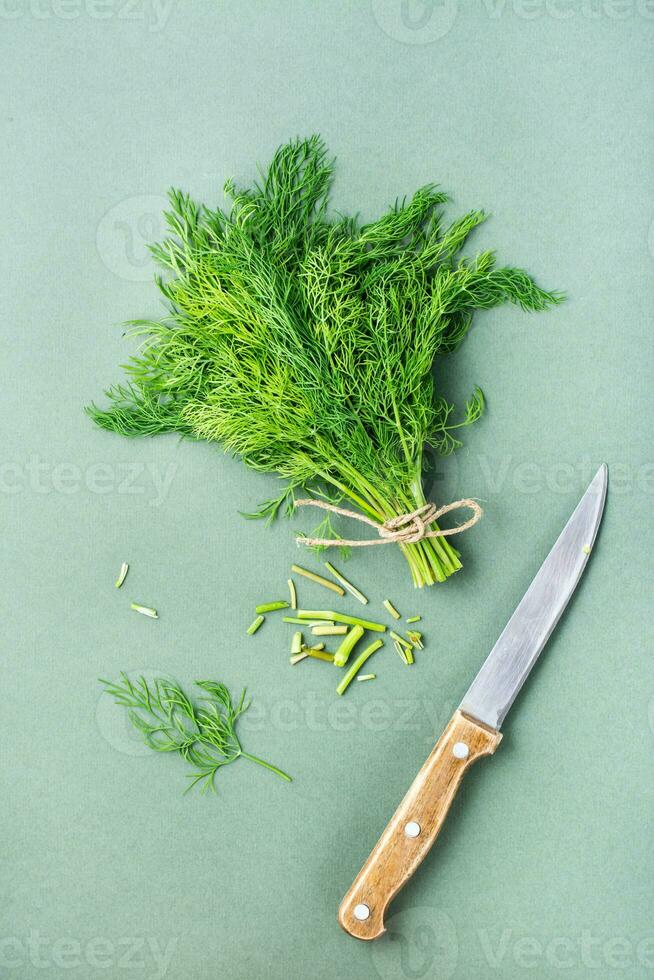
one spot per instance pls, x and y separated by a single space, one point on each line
414 826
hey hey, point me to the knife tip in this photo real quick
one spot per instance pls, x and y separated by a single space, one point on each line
599 484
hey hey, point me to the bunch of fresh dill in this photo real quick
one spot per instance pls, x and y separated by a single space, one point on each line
304 342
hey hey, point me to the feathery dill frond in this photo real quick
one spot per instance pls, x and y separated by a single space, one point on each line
203 733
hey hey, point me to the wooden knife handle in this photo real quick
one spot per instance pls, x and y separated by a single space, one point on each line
414 825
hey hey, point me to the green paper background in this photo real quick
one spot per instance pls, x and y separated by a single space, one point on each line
539 112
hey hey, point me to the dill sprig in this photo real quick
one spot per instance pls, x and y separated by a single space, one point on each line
304 342
203 734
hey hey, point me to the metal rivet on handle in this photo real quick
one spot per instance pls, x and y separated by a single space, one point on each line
460 750
361 912
412 829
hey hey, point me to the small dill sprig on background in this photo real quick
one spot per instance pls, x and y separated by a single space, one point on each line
304 343
203 734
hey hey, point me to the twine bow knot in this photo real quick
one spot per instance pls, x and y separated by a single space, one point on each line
409 528
404 529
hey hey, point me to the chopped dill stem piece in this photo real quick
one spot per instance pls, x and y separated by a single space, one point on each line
320 655
122 574
414 619
388 605
254 625
297 657
318 579
306 622
404 645
293 593
313 646
401 651
347 645
352 589
296 643
366 677
271 606
356 666
416 639
323 630
144 610
341 618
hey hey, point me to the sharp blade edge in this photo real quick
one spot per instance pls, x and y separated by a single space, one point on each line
507 666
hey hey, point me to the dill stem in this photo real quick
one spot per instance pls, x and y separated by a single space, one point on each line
418 565
376 514
398 421
354 668
380 508
442 546
317 654
318 579
447 560
335 617
425 570
266 765
347 646
430 560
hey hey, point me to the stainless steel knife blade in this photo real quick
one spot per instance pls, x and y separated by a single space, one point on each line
507 666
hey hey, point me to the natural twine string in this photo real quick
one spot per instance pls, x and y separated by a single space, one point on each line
405 529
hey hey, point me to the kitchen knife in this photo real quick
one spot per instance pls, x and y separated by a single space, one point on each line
474 728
